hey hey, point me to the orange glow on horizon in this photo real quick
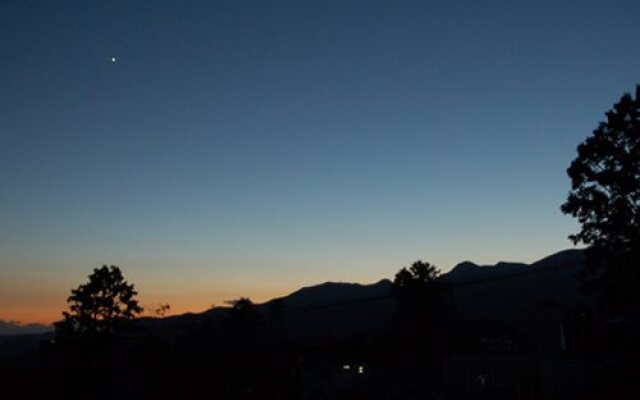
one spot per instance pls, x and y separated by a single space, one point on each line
48 312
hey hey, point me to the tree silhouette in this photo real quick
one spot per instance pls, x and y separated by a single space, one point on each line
605 198
418 293
103 305
161 310
421 328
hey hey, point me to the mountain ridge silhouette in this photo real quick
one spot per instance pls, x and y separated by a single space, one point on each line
566 264
503 291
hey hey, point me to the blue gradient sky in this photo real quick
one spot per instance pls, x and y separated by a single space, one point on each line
253 147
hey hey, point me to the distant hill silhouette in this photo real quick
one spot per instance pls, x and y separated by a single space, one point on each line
467 271
333 294
506 290
16 328
496 291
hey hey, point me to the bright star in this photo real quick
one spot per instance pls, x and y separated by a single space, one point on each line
113 59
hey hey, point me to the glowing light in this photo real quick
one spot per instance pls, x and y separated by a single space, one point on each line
346 366
113 59
361 369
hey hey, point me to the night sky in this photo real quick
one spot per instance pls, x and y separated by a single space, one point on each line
217 149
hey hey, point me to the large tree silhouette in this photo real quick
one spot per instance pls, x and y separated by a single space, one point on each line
103 305
605 198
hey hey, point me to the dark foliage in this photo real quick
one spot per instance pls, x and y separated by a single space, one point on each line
101 306
605 198
422 299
